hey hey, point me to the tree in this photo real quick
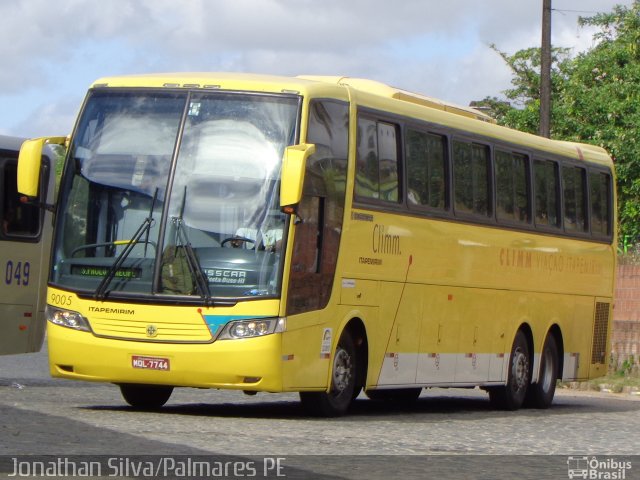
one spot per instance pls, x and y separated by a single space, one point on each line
601 104
521 110
596 99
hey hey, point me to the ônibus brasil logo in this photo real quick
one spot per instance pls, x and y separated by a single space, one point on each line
597 468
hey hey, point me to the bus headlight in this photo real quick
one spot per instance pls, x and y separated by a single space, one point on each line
66 318
256 327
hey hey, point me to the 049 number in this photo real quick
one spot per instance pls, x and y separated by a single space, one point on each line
17 273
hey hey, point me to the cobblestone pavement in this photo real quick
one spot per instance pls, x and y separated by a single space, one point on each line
39 415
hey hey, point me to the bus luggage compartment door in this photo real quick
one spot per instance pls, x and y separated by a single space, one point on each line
17 322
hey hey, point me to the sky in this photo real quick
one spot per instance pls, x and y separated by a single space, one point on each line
52 50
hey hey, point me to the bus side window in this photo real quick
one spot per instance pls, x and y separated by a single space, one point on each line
426 170
547 202
600 196
512 187
18 219
471 167
377 170
574 190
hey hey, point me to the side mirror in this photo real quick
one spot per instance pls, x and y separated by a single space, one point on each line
29 163
292 181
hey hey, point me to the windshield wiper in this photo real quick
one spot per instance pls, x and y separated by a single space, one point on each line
193 263
144 227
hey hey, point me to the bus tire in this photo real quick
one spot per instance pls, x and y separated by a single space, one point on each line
540 394
145 397
336 402
511 396
399 395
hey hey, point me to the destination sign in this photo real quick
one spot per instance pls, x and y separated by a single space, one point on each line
89 271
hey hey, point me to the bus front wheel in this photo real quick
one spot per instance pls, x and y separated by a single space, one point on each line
511 396
336 401
145 397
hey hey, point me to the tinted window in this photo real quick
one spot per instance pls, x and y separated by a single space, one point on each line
426 157
545 175
512 192
388 155
574 192
471 178
377 167
600 194
317 238
18 219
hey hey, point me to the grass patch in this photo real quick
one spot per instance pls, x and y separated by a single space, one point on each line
615 383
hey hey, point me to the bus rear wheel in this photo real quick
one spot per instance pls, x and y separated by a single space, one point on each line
540 394
511 396
337 400
145 397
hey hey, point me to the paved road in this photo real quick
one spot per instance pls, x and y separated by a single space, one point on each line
439 436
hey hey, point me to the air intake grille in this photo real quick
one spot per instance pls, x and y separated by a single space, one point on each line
600 328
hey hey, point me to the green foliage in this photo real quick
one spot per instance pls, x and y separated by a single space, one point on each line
595 99
626 368
525 66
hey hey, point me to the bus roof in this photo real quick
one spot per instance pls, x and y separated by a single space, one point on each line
10 143
275 83
213 80
384 90
376 94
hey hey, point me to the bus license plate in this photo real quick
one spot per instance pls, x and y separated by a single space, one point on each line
150 363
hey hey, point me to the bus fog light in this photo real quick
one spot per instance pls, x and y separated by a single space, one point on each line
66 318
257 327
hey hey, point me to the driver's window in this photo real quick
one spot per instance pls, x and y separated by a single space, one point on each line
317 236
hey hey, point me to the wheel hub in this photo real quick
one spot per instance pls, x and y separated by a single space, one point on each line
520 370
342 370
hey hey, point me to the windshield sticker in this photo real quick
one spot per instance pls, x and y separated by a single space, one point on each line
138 171
194 109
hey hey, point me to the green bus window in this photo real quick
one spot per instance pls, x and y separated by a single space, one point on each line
512 194
574 193
471 178
600 194
545 175
426 156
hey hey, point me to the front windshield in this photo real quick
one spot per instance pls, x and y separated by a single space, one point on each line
175 193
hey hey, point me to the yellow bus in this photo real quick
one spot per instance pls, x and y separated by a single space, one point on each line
25 241
322 235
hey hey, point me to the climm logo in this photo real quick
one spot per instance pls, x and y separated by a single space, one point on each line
384 242
510 257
